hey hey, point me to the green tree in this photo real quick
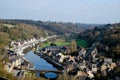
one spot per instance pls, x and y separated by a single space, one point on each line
4 39
53 44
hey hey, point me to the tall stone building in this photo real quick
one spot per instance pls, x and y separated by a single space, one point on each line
73 46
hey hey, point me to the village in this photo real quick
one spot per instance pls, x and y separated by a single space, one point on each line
81 66
15 62
88 64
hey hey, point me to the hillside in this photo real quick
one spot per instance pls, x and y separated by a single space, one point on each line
17 31
57 27
110 40
112 36
26 29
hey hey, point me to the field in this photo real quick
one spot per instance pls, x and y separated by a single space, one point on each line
82 43
61 42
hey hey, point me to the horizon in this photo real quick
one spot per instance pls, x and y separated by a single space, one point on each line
75 11
61 21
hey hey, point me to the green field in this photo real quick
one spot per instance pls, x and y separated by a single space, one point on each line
82 43
45 44
60 42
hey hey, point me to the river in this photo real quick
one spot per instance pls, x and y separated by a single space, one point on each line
39 62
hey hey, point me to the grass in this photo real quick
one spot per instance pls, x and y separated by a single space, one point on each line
58 42
61 42
82 43
45 44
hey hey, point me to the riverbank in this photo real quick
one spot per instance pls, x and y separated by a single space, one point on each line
39 62
27 50
50 60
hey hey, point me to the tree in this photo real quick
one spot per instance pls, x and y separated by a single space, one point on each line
53 44
4 39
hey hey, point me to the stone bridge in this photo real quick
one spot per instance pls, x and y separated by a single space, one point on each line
45 71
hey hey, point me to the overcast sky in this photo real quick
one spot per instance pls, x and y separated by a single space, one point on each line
82 11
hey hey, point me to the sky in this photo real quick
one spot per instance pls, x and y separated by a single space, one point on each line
80 11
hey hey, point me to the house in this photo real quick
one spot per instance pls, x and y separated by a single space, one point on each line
63 49
112 66
69 67
90 74
118 62
103 67
62 57
27 65
50 53
53 48
72 58
68 50
82 52
12 43
96 60
104 73
57 58
94 68
82 66
17 43
74 65
94 53
81 75
108 60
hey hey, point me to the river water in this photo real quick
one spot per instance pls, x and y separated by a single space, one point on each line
39 62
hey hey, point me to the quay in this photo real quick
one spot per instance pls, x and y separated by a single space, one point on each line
44 71
48 59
